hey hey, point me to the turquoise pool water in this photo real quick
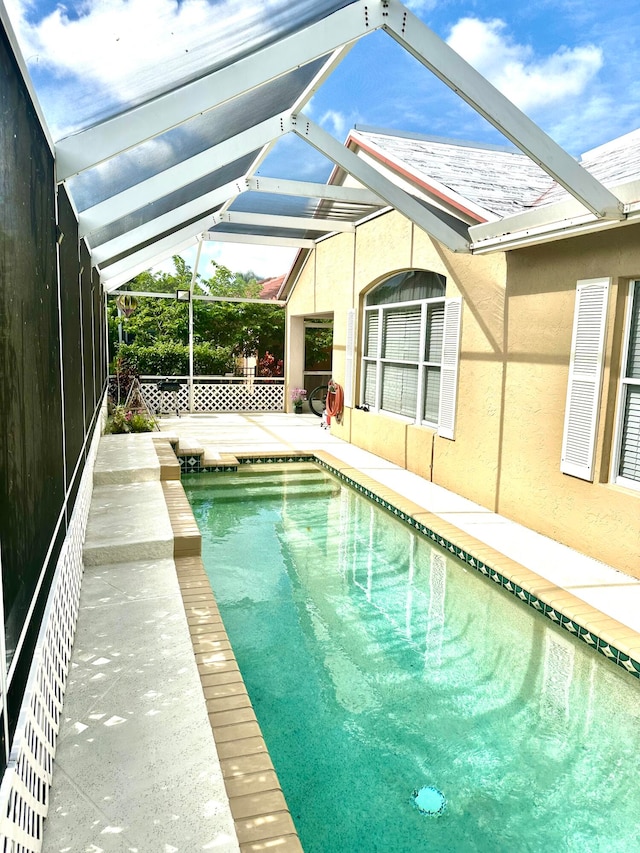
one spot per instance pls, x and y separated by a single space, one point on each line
377 665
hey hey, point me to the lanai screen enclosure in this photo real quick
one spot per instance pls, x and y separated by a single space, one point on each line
98 185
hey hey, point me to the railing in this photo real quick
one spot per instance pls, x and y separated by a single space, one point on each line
214 394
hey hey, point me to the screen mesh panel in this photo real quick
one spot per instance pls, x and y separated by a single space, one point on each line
71 332
87 333
184 42
266 231
201 133
31 461
194 190
286 205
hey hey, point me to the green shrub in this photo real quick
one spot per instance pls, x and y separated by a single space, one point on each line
209 360
167 358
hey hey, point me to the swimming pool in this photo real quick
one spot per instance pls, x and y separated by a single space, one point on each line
377 664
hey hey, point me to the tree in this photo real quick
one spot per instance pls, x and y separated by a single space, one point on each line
157 330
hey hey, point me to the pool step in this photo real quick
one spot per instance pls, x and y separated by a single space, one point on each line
265 479
262 492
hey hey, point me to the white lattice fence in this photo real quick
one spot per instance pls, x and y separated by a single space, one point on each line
242 397
238 396
24 794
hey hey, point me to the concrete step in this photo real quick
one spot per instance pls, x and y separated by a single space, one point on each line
126 459
127 522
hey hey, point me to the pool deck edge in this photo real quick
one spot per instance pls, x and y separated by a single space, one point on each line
258 807
610 637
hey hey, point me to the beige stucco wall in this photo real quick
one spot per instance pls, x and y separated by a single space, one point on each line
596 518
515 343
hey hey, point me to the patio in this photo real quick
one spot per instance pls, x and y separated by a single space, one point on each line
136 768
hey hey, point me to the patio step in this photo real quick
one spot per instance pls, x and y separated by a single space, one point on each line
127 522
126 459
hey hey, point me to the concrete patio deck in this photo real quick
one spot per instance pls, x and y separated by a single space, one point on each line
136 767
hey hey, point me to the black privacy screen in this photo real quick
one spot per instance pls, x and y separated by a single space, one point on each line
31 459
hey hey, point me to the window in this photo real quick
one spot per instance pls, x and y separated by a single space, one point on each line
404 342
627 456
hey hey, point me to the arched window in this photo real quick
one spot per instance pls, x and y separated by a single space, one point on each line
403 343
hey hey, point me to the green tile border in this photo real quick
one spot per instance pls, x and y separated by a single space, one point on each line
588 637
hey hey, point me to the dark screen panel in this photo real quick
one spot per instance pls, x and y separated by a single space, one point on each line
86 306
71 332
98 336
31 458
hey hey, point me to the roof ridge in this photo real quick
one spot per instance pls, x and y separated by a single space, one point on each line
442 140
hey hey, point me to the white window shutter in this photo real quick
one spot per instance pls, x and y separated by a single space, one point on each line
585 378
349 358
449 368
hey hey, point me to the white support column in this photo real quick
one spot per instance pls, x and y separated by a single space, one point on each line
294 356
377 183
472 87
193 281
121 271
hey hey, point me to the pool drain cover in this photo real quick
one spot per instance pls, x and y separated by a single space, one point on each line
429 800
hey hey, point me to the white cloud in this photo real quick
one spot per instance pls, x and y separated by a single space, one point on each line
335 122
417 6
529 81
119 52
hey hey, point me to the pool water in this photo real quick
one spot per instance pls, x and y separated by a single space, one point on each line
379 666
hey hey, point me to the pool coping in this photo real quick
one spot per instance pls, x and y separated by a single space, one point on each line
259 810
261 815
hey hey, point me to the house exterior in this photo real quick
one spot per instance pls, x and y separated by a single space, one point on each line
511 374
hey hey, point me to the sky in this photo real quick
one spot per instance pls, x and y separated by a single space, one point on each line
568 64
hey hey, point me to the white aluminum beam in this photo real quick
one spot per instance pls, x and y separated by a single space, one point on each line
173 219
180 175
285 222
89 147
163 248
254 239
377 183
472 87
5 21
111 280
307 189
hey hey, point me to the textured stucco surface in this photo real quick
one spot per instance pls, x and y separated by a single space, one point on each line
514 359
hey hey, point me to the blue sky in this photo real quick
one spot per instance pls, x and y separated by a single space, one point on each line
569 64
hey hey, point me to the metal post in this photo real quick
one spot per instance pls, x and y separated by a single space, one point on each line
193 281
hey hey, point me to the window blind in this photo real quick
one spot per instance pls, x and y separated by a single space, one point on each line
401 339
370 382
400 389
435 333
630 450
629 461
